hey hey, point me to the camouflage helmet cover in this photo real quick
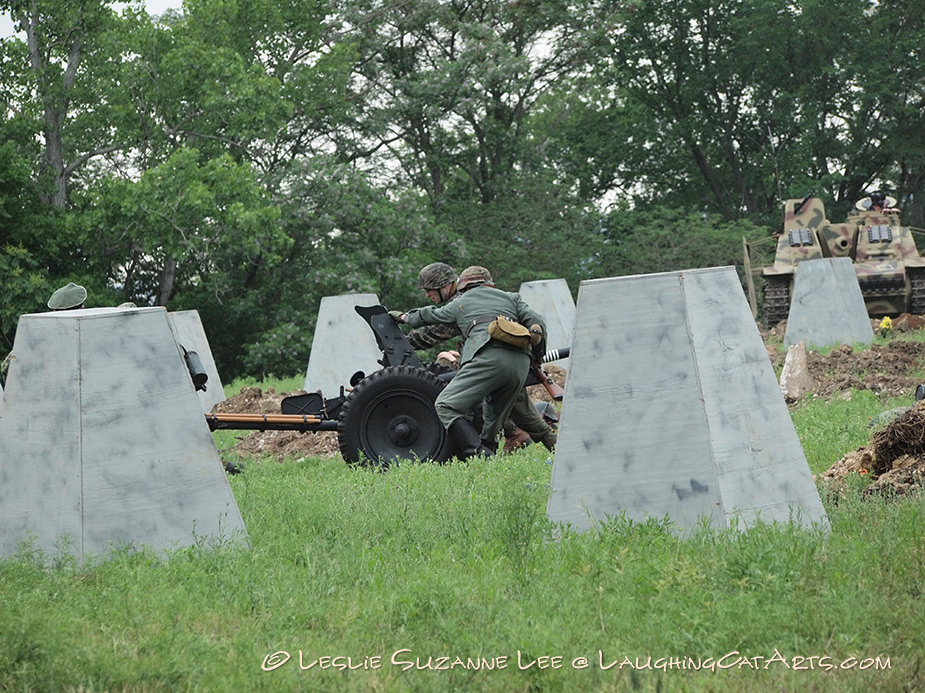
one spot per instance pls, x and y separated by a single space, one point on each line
70 296
436 275
473 276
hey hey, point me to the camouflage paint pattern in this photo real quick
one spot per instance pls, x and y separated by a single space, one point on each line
890 271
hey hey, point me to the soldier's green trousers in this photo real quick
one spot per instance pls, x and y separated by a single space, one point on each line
525 415
496 374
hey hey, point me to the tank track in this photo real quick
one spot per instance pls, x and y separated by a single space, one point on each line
776 300
917 294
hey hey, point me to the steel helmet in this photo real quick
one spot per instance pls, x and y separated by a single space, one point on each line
69 296
473 276
436 275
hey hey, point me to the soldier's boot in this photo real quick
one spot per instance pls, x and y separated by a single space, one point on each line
517 440
467 440
549 439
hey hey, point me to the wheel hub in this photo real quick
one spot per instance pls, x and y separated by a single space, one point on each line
403 431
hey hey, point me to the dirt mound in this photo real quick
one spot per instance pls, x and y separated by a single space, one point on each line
276 444
253 400
894 458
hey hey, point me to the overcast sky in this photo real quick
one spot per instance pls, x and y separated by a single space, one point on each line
153 6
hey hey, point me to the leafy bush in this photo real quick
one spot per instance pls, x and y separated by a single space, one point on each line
279 352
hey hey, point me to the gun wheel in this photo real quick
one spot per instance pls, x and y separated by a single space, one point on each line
390 416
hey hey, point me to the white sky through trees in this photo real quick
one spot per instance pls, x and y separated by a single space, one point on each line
154 7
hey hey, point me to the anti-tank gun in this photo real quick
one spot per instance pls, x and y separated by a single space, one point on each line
886 261
383 416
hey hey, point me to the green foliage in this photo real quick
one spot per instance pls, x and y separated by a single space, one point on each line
278 352
247 157
23 284
184 222
658 239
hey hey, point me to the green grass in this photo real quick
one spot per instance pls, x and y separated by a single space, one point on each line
395 570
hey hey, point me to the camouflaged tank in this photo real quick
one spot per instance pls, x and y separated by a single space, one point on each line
890 271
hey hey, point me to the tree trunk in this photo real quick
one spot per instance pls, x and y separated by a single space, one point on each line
165 287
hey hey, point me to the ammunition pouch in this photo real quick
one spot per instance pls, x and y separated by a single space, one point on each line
506 330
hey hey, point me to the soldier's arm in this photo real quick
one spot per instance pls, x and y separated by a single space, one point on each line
431 315
430 335
527 316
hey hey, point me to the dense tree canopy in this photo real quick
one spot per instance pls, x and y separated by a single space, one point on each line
247 157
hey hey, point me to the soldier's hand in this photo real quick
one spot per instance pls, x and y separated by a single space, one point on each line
397 315
536 334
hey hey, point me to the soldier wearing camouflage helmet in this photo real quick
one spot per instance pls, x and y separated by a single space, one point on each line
436 276
440 285
71 296
438 280
489 369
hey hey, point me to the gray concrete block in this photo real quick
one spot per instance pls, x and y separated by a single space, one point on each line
827 308
552 299
187 327
672 410
343 344
103 443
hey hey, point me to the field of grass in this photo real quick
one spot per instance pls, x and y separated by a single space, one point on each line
438 578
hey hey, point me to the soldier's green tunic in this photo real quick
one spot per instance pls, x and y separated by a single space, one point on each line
489 369
523 413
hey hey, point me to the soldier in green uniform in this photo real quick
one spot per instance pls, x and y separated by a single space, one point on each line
69 297
492 372
440 285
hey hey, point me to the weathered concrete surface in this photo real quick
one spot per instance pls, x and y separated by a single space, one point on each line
187 327
552 299
672 410
342 345
103 442
827 307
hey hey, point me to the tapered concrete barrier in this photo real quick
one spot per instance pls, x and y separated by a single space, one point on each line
672 410
827 307
187 327
343 344
552 299
103 442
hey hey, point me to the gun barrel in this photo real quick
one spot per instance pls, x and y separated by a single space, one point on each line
556 354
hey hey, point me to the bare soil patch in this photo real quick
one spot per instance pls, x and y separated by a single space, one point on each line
889 370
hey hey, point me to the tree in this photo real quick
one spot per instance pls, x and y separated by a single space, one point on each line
182 223
733 106
69 63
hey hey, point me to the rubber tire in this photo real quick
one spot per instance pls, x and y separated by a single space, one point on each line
390 416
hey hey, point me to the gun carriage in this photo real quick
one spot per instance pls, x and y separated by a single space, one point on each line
385 416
